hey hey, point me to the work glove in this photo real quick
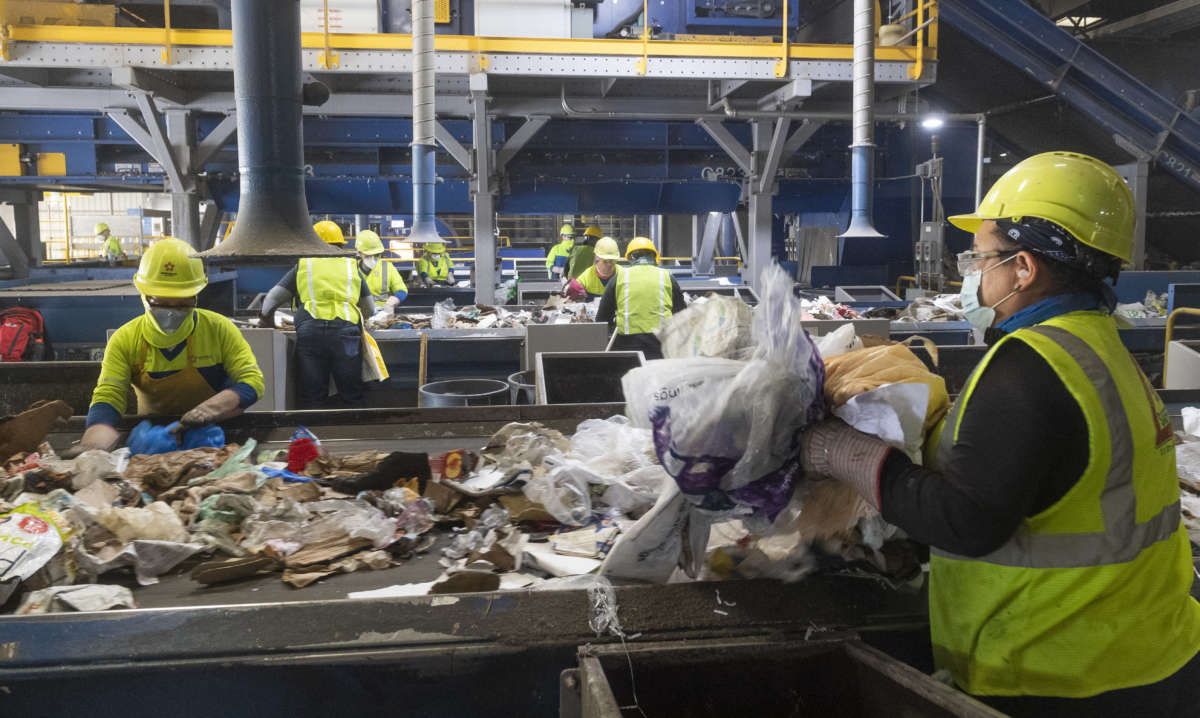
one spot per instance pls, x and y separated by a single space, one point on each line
97 436
391 304
221 405
834 449
575 291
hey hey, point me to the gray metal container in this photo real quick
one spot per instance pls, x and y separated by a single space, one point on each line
522 387
464 392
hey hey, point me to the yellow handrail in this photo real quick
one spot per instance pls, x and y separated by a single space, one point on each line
327 59
1190 311
781 66
466 43
641 64
918 67
904 278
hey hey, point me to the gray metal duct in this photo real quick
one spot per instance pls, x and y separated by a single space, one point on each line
862 148
424 146
272 220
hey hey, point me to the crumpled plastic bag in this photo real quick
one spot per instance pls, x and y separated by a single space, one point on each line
855 372
839 341
148 438
284 521
728 431
29 537
88 597
156 522
564 491
159 472
353 518
713 326
443 314
149 559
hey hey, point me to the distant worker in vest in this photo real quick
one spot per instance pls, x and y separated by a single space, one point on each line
332 297
110 246
180 360
385 283
1060 570
584 252
434 266
591 284
560 254
638 300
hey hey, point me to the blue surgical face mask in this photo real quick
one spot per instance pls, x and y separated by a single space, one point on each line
978 315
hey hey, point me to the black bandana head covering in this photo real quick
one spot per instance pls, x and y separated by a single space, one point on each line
1052 241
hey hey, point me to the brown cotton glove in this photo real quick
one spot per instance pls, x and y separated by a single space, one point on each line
834 449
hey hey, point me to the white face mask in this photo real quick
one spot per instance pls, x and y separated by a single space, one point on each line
370 262
169 320
978 315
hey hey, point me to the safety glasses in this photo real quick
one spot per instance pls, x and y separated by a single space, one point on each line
968 261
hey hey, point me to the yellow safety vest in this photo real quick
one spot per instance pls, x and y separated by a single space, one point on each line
329 287
437 269
112 246
592 282
1092 594
644 299
562 249
395 283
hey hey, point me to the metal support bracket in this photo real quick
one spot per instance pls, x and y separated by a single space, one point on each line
519 139
460 154
27 76
799 89
723 137
802 135
154 125
213 142
137 79
766 175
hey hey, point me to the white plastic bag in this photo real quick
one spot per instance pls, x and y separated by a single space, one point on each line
711 327
728 431
443 315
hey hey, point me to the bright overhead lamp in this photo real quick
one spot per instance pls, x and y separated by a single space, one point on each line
933 122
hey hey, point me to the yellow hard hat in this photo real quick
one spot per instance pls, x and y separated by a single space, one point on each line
607 249
100 227
640 244
566 231
330 232
435 248
1081 194
594 231
168 270
368 242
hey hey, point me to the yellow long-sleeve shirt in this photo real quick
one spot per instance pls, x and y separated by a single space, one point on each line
222 357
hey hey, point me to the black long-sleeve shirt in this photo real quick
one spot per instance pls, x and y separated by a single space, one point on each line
607 311
1022 444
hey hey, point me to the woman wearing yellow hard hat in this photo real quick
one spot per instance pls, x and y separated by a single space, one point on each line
590 285
638 299
1060 571
331 298
434 266
384 282
556 258
180 360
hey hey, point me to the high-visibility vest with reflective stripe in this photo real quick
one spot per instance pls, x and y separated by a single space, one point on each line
559 254
375 280
329 287
437 268
592 282
1091 594
644 299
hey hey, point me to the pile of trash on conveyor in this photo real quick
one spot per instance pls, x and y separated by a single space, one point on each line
481 316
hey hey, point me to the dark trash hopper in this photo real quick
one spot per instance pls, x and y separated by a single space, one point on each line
583 377
839 676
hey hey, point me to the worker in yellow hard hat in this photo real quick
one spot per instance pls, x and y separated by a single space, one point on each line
330 297
180 360
560 254
584 252
591 284
1060 570
434 266
384 282
637 301
110 246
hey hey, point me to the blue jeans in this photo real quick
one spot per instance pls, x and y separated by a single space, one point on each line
326 348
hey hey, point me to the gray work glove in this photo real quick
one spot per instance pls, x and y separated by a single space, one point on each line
834 449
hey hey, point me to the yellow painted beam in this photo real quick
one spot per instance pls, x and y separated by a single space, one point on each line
466 43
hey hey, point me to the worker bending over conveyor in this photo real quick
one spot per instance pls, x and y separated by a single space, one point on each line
434 266
639 299
584 252
591 284
333 297
384 282
1060 570
179 359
